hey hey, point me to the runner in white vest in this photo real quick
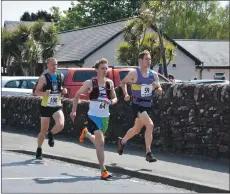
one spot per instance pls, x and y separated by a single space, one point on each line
102 95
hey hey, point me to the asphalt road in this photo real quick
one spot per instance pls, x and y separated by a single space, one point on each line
24 174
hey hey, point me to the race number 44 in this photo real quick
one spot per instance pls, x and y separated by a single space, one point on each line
102 105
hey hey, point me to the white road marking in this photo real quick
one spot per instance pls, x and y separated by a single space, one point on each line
8 153
135 181
28 178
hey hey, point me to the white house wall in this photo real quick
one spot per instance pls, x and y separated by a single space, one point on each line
209 73
184 70
185 67
109 51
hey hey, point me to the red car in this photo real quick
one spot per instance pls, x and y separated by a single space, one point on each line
75 77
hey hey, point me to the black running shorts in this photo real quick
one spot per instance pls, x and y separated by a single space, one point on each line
48 111
140 109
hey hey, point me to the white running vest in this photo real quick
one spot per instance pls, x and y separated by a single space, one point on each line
97 107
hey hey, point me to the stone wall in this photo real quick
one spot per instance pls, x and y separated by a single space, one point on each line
190 119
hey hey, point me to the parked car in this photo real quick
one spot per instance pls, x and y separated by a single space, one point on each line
18 85
75 77
207 81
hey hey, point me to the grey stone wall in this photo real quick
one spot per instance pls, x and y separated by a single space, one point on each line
189 119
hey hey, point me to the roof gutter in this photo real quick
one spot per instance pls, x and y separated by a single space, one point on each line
198 62
201 70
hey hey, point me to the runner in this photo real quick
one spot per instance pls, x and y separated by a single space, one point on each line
144 82
102 94
50 87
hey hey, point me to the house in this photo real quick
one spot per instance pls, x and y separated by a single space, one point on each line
194 58
214 55
84 46
11 25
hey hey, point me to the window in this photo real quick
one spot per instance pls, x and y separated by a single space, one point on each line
31 83
122 74
174 65
28 84
13 84
81 76
63 71
219 76
162 79
24 84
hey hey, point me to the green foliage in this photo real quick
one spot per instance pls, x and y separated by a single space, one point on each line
187 19
42 15
127 52
29 44
93 12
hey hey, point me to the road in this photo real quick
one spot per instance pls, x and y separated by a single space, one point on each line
23 174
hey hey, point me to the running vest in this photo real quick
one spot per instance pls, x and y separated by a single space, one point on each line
97 107
53 83
142 90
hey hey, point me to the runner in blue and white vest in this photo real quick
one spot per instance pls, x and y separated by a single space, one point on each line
144 83
102 95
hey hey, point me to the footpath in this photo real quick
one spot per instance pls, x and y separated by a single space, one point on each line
200 175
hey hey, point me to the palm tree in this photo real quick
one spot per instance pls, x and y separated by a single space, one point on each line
137 37
6 45
150 15
13 45
26 46
47 38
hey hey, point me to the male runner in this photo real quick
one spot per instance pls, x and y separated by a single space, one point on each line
50 87
102 94
144 81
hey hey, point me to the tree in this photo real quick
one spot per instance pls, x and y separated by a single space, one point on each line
184 19
42 15
7 48
127 52
26 46
26 16
56 14
47 39
197 20
93 12
150 15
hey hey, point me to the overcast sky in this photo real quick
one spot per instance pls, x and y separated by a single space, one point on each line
13 10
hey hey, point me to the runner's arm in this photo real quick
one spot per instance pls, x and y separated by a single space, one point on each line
82 90
63 89
113 94
157 84
128 79
40 85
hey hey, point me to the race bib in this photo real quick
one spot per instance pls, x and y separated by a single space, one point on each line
53 100
146 90
102 106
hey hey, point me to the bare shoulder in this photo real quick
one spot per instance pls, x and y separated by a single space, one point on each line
154 72
42 78
133 72
110 82
88 83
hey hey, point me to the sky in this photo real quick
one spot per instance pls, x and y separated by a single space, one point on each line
13 10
